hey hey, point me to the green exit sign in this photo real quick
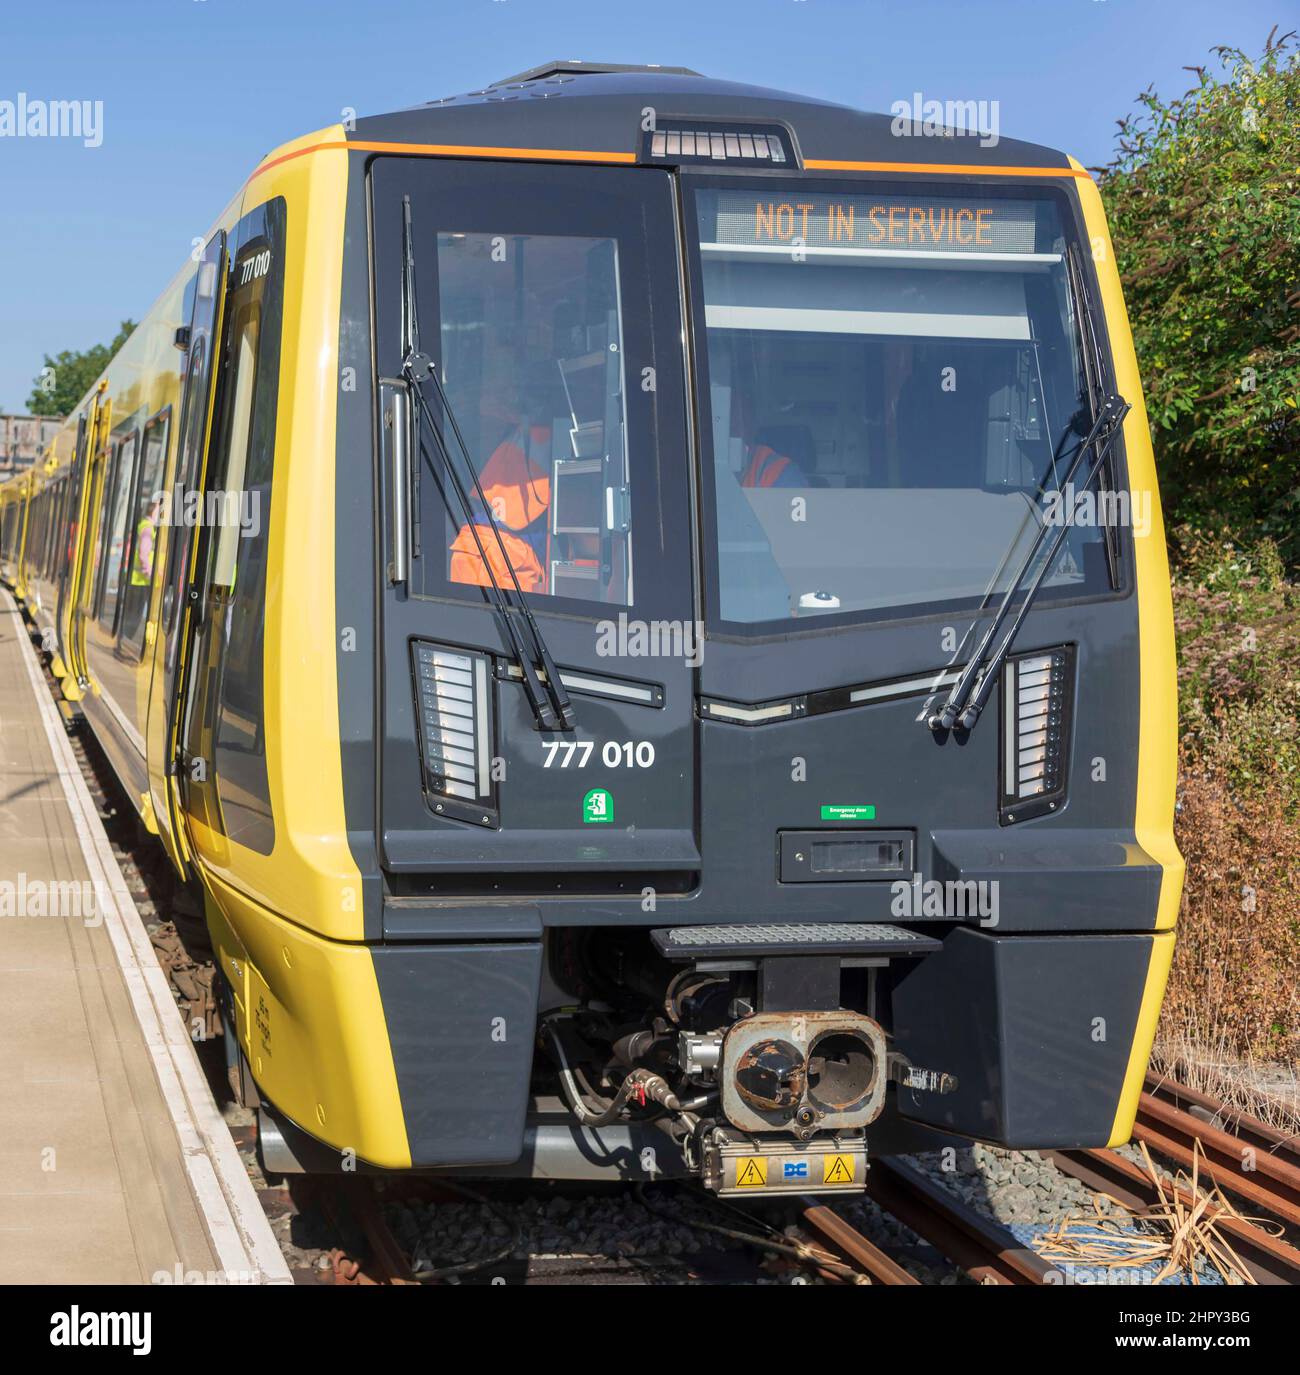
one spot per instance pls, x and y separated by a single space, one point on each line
836 812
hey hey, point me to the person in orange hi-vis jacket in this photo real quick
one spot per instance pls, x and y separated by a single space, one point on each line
516 481
764 465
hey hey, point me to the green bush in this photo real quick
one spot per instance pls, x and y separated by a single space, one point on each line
1238 625
1204 205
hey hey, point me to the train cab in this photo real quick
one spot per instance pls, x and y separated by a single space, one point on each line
668 666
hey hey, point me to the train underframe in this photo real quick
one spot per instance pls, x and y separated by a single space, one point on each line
756 1059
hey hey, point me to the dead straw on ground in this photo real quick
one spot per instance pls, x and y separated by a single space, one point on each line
1181 1228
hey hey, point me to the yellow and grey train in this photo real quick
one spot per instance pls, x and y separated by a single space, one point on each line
623 594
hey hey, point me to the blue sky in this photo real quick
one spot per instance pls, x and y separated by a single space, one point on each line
195 91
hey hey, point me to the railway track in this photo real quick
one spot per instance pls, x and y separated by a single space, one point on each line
1171 1120
1245 1157
355 1244
824 1243
1252 1160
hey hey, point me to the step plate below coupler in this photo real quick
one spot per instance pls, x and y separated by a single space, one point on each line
761 941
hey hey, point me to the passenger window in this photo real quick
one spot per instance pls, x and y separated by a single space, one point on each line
143 533
533 363
117 503
99 526
52 553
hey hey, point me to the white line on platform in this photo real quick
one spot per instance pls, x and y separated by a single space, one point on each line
241 1236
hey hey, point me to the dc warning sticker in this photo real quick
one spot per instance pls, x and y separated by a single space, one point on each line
751 1172
837 1169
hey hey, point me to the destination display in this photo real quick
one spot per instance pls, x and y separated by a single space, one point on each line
939 224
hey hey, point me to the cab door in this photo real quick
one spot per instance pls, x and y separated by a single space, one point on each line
221 745
548 300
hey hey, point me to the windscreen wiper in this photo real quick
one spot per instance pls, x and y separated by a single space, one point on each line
546 695
1092 376
969 695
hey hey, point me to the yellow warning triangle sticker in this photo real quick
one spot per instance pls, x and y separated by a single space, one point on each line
753 1174
838 1169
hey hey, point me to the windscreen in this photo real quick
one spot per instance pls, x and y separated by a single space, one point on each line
895 393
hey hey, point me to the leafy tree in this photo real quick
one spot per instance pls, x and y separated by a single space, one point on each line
68 376
1204 204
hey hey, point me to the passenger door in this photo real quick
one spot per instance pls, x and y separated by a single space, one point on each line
549 302
197 384
94 457
65 552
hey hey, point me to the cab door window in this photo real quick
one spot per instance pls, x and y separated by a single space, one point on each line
533 364
537 307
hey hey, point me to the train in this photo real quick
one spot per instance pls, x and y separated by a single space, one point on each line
638 606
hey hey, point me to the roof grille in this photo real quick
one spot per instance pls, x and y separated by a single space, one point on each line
549 70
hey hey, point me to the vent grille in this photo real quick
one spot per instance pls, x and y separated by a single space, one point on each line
454 707
1037 694
700 141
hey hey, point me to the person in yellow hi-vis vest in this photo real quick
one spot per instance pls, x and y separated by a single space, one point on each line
146 533
135 609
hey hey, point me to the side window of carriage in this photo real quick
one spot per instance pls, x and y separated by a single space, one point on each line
145 515
119 484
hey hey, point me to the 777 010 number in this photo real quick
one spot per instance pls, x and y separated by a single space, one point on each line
614 754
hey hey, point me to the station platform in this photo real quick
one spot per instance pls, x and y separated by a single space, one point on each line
115 1164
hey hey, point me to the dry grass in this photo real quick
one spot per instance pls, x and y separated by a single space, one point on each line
1209 1064
1231 1022
1180 1231
1233 988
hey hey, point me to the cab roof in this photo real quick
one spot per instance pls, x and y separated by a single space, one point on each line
575 106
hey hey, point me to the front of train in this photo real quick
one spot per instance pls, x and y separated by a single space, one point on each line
776 699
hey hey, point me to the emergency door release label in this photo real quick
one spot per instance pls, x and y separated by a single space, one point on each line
837 812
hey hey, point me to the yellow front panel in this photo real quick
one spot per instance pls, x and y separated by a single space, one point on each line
314 1033
1158 705
1157 778
310 875
1144 1034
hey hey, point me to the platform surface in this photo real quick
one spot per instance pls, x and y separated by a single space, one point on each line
97 1160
